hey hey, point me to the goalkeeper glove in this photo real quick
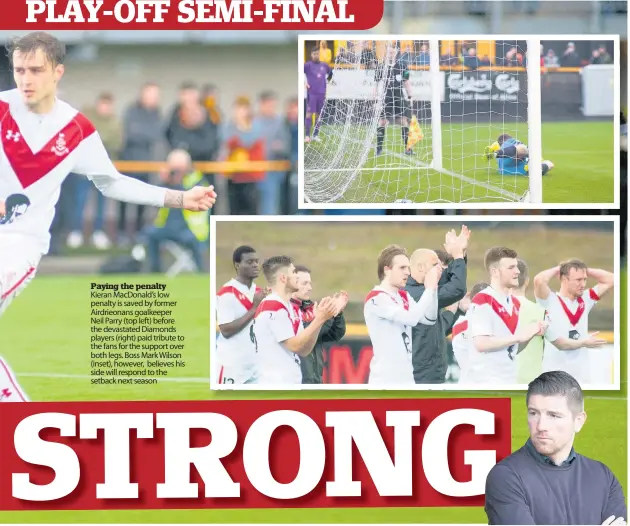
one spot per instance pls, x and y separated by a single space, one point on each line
489 152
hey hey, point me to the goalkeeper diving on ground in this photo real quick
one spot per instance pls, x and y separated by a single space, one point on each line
512 156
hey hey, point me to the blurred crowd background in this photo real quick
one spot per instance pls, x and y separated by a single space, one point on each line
165 100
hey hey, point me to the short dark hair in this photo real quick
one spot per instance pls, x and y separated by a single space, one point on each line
558 383
302 268
271 266
53 48
524 273
572 264
186 85
106 97
477 289
267 95
238 254
503 137
444 257
386 257
496 254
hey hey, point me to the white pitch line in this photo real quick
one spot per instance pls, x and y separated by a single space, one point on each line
193 380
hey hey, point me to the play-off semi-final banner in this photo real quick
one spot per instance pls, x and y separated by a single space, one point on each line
250 454
192 14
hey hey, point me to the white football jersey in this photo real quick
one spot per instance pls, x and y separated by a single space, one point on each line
493 314
569 319
37 152
460 340
389 320
276 321
236 354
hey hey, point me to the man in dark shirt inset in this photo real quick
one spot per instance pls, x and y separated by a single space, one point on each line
392 78
546 481
332 331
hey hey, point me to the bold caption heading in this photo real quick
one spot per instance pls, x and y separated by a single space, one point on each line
191 14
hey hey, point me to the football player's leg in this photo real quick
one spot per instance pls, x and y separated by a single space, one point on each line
404 123
380 131
319 106
10 390
13 280
308 117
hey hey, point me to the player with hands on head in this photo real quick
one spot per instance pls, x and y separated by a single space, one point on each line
493 323
390 313
569 310
278 334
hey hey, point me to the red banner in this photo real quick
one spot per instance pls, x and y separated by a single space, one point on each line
250 454
193 14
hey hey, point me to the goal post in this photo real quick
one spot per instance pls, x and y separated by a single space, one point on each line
371 145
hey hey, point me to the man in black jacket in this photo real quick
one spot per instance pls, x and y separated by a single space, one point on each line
429 345
332 331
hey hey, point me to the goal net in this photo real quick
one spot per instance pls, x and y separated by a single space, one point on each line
370 143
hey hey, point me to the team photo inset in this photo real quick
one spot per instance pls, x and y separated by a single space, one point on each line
423 303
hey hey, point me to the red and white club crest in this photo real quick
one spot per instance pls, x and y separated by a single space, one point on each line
60 147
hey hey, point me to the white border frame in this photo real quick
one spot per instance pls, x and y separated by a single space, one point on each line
304 205
470 220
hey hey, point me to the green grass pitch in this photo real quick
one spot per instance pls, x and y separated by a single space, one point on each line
582 152
45 337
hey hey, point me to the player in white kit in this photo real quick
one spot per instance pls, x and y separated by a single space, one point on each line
460 339
237 302
390 313
42 140
568 310
279 336
493 323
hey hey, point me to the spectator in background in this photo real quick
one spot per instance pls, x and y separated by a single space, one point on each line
188 229
143 129
604 55
194 132
485 61
243 139
109 127
570 57
292 122
210 99
423 56
325 52
513 58
275 132
470 60
366 57
448 59
551 59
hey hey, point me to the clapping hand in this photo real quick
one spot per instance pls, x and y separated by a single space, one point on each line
325 309
341 300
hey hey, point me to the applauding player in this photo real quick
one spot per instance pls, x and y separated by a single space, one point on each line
278 335
568 310
390 313
493 323
237 302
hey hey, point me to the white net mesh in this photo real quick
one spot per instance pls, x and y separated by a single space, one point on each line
477 92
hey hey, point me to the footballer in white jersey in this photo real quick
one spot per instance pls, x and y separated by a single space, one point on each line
390 313
461 346
236 304
568 311
493 323
278 335
42 140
